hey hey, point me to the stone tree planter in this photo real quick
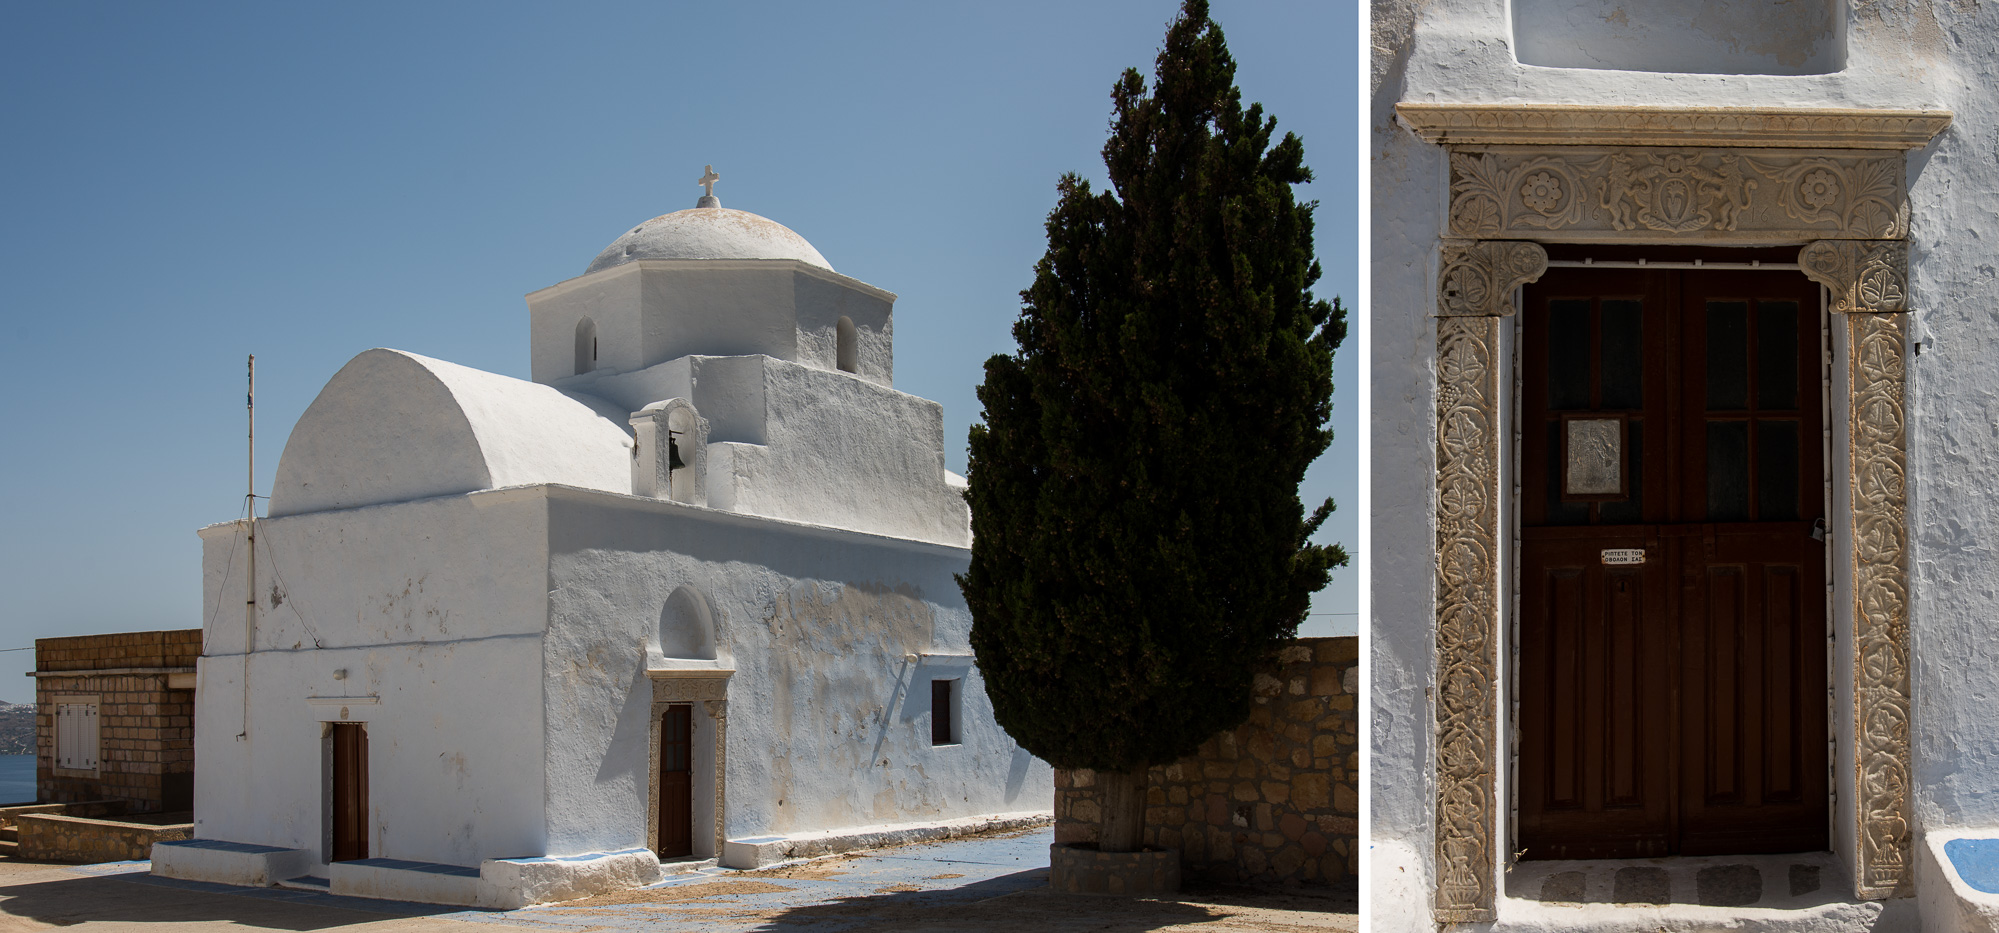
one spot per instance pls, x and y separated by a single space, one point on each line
1078 868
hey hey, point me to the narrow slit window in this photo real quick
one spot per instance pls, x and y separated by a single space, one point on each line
943 712
847 355
586 345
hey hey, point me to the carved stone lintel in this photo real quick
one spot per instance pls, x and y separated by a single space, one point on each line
1638 194
1478 277
1865 276
1879 532
1467 614
680 686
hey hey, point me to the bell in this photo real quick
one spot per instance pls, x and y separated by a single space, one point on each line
673 461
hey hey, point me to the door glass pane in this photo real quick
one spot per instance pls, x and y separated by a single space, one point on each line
1777 471
1727 471
1631 509
1727 355
1623 359
1776 355
1568 354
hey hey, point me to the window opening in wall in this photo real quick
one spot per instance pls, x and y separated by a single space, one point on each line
943 712
586 345
76 735
848 352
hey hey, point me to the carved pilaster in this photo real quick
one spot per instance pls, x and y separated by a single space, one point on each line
1879 532
1479 276
1475 290
1868 280
1865 276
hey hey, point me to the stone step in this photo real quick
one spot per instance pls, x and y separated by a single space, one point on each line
1785 881
307 883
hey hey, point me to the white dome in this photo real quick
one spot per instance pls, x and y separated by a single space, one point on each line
708 233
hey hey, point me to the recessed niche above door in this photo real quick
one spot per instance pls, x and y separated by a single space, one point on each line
1766 37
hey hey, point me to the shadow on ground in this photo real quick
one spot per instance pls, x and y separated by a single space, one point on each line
62 899
1043 910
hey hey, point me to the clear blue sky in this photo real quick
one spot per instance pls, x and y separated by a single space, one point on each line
186 184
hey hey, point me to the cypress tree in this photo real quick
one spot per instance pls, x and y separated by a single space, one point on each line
1138 546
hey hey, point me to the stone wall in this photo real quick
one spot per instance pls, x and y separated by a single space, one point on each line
145 728
1275 800
47 837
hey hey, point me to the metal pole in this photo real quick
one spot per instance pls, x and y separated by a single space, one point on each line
250 501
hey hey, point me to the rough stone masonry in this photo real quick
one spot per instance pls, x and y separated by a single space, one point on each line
1275 800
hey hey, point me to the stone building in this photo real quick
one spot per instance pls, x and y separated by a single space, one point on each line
686 595
114 719
1679 331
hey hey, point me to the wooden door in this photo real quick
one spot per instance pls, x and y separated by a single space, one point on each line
350 791
1672 594
676 795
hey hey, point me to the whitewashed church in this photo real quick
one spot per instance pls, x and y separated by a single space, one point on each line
686 595
1682 333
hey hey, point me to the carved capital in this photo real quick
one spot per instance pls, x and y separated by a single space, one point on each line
1478 277
1865 276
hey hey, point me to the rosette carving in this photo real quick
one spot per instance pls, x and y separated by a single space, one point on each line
1719 195
1865 276
1467 613
1478 278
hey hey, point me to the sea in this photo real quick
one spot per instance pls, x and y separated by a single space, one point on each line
17 779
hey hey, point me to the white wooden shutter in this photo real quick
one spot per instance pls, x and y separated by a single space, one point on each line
76 736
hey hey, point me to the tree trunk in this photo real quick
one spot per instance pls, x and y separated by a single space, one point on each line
1123 828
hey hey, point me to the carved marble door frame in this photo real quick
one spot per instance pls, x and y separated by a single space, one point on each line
1525 175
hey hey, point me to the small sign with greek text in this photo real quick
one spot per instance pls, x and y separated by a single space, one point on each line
1624 555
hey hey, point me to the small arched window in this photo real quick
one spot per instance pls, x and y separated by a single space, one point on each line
586 346
687 626
848 351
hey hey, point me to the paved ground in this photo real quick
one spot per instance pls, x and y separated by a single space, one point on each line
995 884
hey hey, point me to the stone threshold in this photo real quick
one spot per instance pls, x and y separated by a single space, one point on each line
1806 891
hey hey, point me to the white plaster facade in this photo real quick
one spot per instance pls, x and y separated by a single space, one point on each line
710 495
1885 79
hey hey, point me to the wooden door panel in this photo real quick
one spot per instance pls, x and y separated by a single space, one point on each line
676 793
1756 676
1675 706
350 791
1594 710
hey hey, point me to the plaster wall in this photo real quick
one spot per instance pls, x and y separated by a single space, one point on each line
1917 55
394 426
807 444
651 311
828 717
434 611
844 452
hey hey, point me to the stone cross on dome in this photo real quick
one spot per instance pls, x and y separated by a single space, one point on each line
707 182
